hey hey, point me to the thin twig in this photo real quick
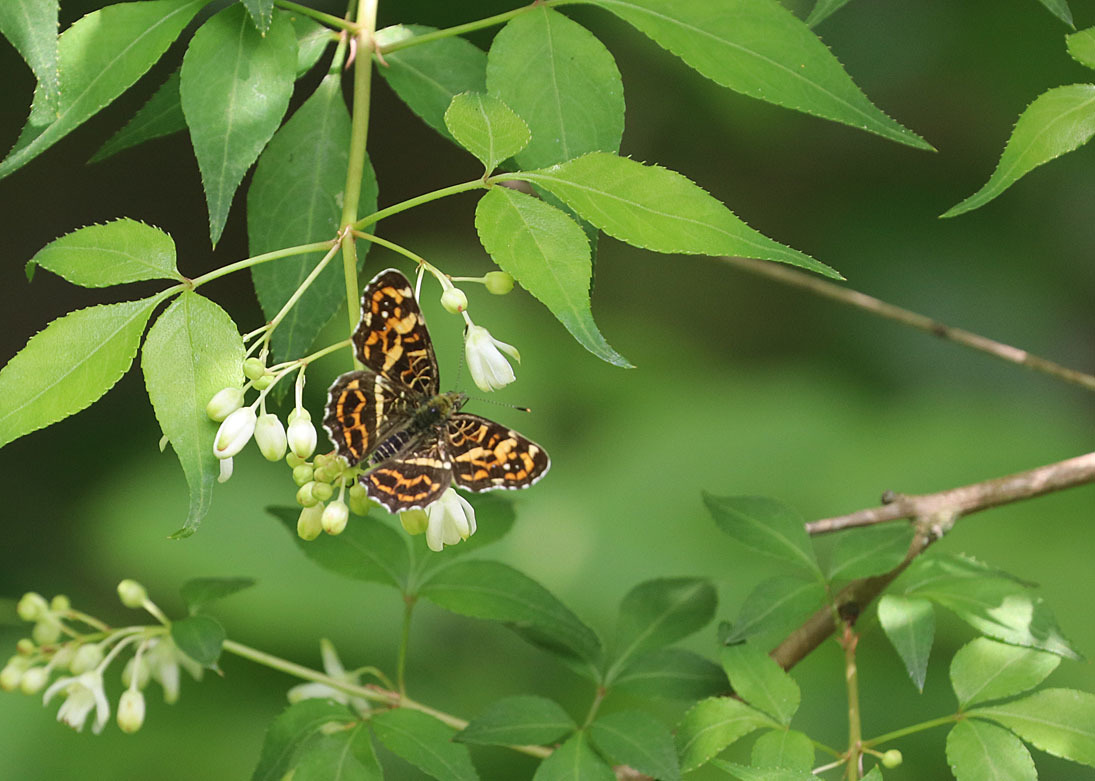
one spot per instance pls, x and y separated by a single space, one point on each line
880 308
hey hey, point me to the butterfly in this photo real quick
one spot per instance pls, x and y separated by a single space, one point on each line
393 416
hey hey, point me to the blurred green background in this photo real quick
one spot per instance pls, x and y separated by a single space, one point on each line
742 386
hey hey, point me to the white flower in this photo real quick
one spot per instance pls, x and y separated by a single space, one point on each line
82 693
450 520
302 434
270 437
489 368
164 659
226 470
332 665
235 432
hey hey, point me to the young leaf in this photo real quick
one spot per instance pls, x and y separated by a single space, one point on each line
759 48
744 773
574 761
520 720
783 748
100 57
562 81
979 751
1060 9
548 253
424 742
1060 722
69 364
117 252
984 669
663 611
199 592
368 549
296 198
200 638
822 10
860 553
486 127
1058 121
31 27
760 681
235 87
638 740
161 116
659 210
428 76
673 673
713 724
497 592
341 755
262 13
1081 46
776 605
193 350
766 526
910 625
294 727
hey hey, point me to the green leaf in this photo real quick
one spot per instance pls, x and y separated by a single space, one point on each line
673 673
1060 9
1058 121
663 611
910 625
428 76
766 774
70 364
1060 722
548 253
822 10
193 350
486 127
713 724
494 517
31 27
424 742
520 720
760 681
638 740
100 57
112 254
562 81
497 592
298 724
1081 46
784 748
199 592
262 13
759 48
296 198
342 755
161 116
984 669
368 549
766 526
861 553
660 210
200 638
776 606
574 761
312 40
235 88
978 751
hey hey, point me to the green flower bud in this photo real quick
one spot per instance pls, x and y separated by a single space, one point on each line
360 503
87 658
293 460
46 632
305 497
310 522
63 658
132 593
263 382
224 403
454 301
324 474
60 603
334 518
892 758
32 606
270 437
141 669
498 282
322 491
414 521
131 711
253 368
25 646
302 474
13 672
322 459
33 680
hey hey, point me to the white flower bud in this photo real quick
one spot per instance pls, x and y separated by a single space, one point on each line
235 432
33 680
310 524
132 593
454 300
488 367
32 606
334 518
87 658
226 470
13 673
270 437
141 670
498 282
302 434
224 403
131 711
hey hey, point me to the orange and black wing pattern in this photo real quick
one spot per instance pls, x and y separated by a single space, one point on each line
391 338
486 455
413 480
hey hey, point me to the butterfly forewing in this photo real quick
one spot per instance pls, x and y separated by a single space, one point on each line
363 409
487 455
391 338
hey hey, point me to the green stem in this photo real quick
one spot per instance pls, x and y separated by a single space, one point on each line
855 726
418 200
595 706
308 280
460 29
900 733
404 642
355 166
319 16
239 265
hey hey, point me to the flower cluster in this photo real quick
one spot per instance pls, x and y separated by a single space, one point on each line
487 365
58 646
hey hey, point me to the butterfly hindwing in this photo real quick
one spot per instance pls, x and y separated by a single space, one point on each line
391 338
487 455
405 482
